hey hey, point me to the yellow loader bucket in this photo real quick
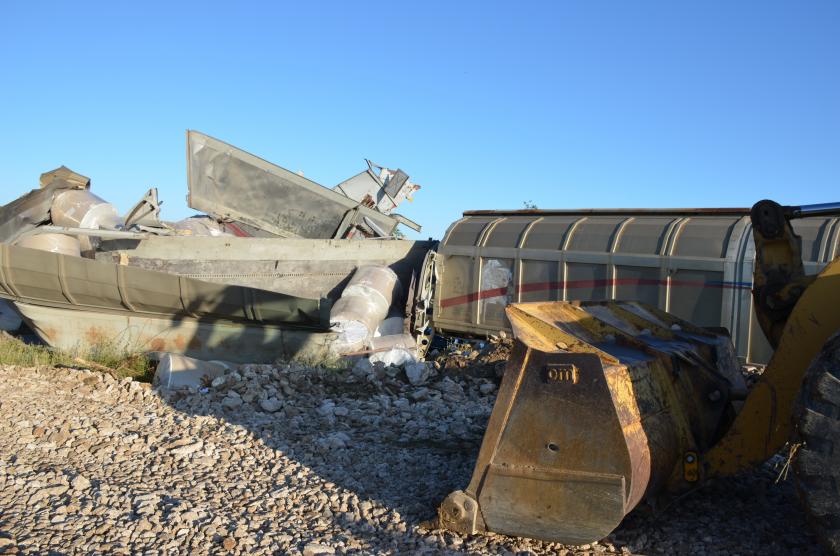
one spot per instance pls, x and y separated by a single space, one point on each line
602 405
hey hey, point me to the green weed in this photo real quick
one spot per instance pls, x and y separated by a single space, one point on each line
103 357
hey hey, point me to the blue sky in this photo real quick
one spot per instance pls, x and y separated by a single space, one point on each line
485 104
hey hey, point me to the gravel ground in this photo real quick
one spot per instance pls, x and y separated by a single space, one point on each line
271 460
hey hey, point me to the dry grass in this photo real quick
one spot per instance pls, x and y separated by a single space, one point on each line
104 357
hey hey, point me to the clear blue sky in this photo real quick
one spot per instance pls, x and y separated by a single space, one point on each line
486 105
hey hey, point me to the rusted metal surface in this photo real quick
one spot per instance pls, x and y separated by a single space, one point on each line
599 404
174 312
241 342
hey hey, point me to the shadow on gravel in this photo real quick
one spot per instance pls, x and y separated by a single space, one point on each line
750 513
392 457
394 451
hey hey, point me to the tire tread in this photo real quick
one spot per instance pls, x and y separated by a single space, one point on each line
817 462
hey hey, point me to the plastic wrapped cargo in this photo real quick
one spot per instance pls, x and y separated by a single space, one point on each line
363 305
404 341
390 326
393 349
77 208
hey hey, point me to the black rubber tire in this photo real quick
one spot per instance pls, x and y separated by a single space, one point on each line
817 460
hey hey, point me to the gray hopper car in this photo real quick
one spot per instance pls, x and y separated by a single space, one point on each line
694 263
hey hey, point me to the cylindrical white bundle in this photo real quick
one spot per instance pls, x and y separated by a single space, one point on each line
390 326
394 349
54 243
404 341
374 281
360 307
79 208
364 304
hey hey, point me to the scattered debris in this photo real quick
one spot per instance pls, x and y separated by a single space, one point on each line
486 358
79 272
384 190
178 371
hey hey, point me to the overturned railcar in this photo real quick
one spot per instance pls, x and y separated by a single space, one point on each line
267 228
697 264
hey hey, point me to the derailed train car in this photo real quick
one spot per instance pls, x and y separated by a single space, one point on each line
268 229
696 264
254 279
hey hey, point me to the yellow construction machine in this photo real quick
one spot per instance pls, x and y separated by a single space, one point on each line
604 405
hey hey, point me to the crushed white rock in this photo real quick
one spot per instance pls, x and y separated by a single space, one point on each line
293 460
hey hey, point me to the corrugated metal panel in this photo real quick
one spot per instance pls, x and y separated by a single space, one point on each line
497 287
695 263
644 235
594 234
704 237
39 277
466 231
455 299
813 233
540 281
549 232
508 232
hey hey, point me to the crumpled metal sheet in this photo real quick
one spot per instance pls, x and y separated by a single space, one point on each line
231 184
65 177
384 190
33 209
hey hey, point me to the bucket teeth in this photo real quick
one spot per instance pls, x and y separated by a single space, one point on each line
459 512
